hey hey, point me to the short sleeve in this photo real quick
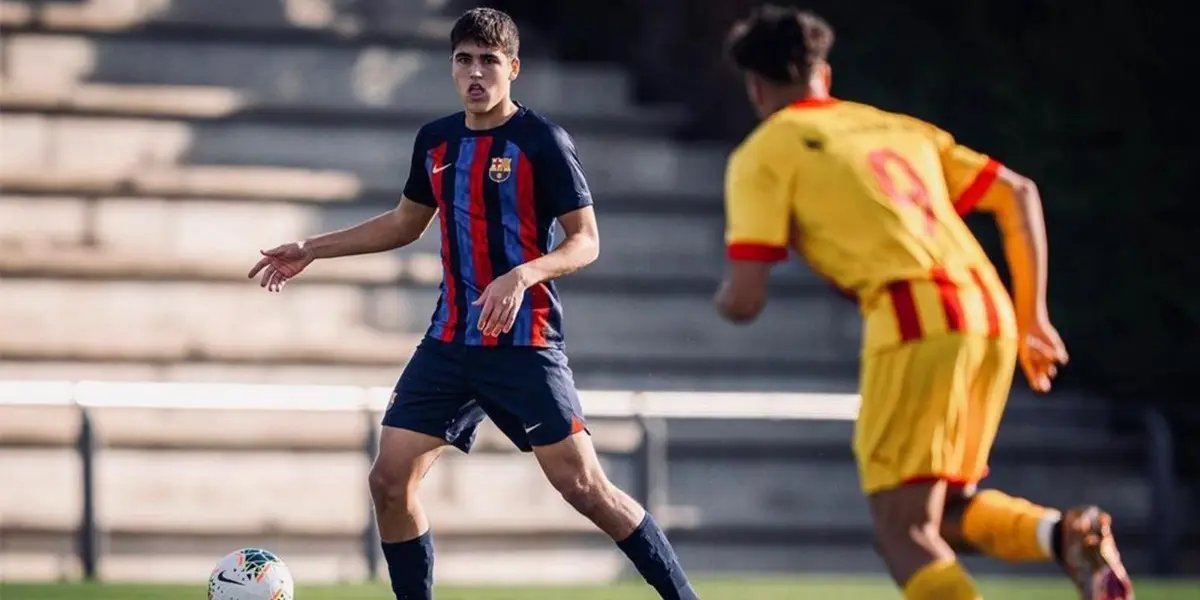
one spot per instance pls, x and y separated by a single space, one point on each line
559 174
757 213
969 174
418 188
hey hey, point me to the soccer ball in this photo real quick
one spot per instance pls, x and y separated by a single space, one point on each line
250 574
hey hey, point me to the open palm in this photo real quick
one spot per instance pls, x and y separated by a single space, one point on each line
280 264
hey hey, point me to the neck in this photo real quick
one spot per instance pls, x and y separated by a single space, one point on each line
497 116
792 95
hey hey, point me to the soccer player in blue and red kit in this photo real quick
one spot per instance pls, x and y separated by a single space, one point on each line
497 176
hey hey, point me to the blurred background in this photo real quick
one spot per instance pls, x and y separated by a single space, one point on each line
149 148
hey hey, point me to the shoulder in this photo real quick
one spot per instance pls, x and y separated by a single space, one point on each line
545 134
918 126
440 129
775 137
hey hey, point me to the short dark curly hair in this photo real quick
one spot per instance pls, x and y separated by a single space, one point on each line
489 28
781 44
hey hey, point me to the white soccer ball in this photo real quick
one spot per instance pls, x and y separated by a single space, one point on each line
251 574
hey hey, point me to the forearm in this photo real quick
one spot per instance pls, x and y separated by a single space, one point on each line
1023 230
574 253
377 234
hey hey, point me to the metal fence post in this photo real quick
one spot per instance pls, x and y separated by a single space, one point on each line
1160 456
370 536
88 542
653 464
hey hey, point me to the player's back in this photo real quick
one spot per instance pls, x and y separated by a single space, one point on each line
872 201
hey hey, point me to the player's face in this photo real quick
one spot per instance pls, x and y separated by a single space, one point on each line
483 76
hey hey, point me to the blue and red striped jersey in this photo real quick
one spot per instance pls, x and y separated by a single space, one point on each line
498 193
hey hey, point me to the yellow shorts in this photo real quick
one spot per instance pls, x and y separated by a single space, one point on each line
931 409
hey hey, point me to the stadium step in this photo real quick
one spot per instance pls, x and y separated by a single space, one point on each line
408 18
278 373
219 239
346 78
36 146
190 101
331 323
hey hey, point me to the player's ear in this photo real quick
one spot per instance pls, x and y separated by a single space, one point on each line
516 69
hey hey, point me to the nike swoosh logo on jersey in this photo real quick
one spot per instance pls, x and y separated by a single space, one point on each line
221 577
440 168
532 427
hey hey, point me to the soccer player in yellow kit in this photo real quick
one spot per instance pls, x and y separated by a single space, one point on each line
873 201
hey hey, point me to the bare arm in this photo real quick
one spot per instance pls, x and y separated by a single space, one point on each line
503 296
1018 212
396 228
580 248
743 293
1017 207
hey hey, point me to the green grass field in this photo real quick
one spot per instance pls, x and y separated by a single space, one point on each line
808 588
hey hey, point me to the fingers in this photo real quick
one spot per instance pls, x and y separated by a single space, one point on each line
273 278
1061 352
258 266
1038 380
491 323
506 316
498 314
1041 356
510 317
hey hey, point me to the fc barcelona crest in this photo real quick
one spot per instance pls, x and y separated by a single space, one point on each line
500 170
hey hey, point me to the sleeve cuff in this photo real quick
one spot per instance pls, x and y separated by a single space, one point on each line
756 252
969 199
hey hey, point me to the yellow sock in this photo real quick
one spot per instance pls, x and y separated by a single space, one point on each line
942 580
1011 529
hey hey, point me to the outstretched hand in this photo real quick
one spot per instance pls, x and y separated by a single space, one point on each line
280 264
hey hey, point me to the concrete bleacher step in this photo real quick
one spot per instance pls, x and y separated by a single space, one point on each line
47 319
410 18
273 373
331 323
652 376
123 100
191 101
36 145
209 500
192 180
218 239
342 78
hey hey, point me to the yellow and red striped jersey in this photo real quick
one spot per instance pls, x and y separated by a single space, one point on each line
874 202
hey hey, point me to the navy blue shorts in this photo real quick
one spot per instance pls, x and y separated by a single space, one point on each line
447 389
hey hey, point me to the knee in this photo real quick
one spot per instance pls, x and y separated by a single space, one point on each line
588 494
391 484
914 524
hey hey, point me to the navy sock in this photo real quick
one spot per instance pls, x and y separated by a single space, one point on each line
410 566
655 559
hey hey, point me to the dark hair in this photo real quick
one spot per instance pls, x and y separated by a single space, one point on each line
780 44
487 27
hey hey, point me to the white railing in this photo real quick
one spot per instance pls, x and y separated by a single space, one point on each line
597 403
648 409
